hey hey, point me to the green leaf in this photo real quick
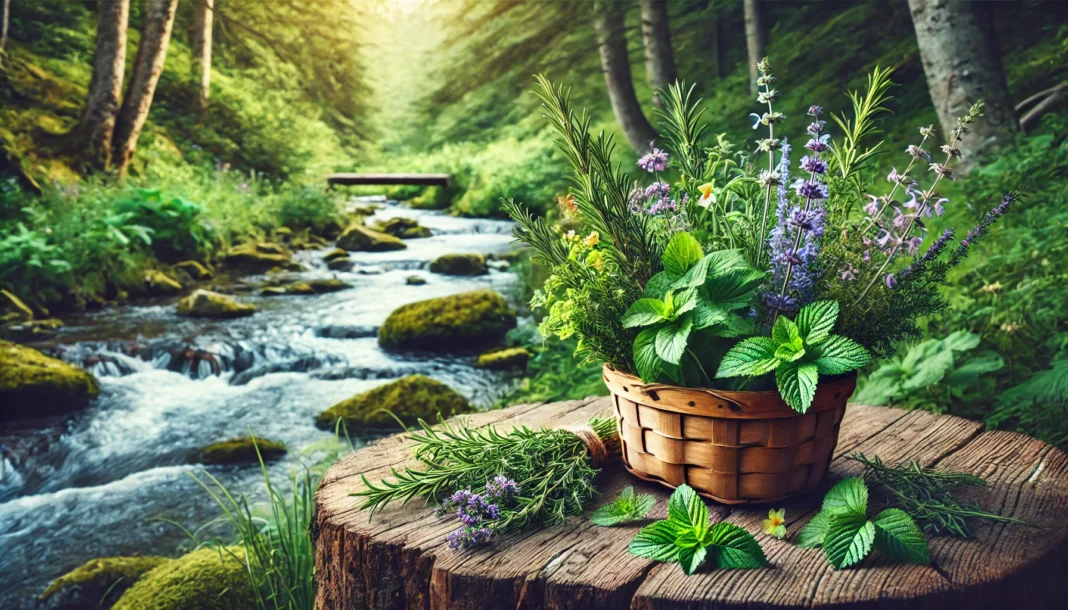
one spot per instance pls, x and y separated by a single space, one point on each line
848 540
811 536
733 548
626 508
752 357
658 285
791 351
722 262
736 326
797 384
848 496
656 541
693 277
897 536
735 289
687 509
681 253
961 341
671 339
646 360
685 301
706 314
816 321
644 312
839 355
691 558
784 331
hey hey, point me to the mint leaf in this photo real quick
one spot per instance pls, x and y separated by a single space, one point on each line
816 321
656 541
735 289
736 326
681 253
797 383
644 312
811 536
686 301
752 357
790 351
706 314
695 276
731 547
784 331
691 558
671 339
687 509
658 285
840 354
645 358
725 261
849 495
848 540
898 537
626 508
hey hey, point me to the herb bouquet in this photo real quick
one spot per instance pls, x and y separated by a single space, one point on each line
732 303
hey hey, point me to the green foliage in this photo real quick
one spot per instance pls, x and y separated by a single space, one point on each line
628 507
686 537
553 374
174 227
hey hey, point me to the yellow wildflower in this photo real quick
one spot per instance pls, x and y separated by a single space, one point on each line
775 524
706 194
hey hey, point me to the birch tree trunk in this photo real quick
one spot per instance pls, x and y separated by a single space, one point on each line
608 22
962 65
203 18
97 125
151 52
3 27
659 57
755 39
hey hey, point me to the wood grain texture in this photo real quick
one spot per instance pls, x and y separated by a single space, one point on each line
399 559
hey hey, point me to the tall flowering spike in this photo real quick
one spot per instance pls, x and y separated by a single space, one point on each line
769 177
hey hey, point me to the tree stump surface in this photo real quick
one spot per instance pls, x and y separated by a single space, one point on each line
400 558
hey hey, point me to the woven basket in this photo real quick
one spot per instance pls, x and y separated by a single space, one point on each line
732 447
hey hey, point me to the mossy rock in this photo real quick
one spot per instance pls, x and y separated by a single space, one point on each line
415 280
240 451
360 238
405 228
469 319
306 287
30 330
459 264
283 232
12 309
335 254
504 359
279 291
267 247
409 398
98 583
208 304
207 579
194 269
340 264
251 259
32 384
159 283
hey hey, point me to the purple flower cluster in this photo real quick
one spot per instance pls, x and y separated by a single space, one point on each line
654 161
931 254
984 225
478 512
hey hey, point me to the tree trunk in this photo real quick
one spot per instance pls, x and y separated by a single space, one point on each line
97 125
755 39
3 28
716 32
963 66
612 43
659 58
203 17
151 52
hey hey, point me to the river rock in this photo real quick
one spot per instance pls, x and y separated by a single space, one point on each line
409 398
32 384
405 228
98 583
208 304
159 283
208 579
468 319
415 280
194 269
257 258
459 264
504 359
341 264
30 330
306 287
335 254
240 451
12 309
360 238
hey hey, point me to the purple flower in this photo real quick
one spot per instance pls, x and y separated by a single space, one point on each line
848 273
501 487
657 190
820 144
891 281
931 254
813 165
815 128
815 110
938 209
654 161
919 153
872 207
810 189
914 245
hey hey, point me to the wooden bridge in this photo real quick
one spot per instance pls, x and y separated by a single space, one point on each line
345 179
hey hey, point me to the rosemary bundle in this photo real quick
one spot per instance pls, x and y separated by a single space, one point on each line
926 495
499 482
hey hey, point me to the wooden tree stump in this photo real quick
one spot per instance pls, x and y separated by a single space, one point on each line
400 559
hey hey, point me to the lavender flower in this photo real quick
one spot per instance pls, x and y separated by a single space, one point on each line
820 144
931 254
813 165
890 281
657 190
477 513
501 487
984 225
810 189
654 161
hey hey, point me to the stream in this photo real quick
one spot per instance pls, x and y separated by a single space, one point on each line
111 479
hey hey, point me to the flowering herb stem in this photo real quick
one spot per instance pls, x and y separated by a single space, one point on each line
890 197
768 95
797 243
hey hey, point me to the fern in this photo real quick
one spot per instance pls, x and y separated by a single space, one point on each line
1039 405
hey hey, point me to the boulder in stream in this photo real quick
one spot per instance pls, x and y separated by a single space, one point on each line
98 583
257 258
360 238
504 359
159 283
465 320
240 451
409 399
459 264
415 280
32 384
405 228
306 287
30 330
194 269
335 254
207 579
208 304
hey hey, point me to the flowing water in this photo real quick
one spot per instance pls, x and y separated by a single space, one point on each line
111 479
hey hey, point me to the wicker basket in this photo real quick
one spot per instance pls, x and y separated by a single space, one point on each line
732 447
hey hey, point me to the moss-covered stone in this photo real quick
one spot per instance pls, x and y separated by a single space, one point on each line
503 359
283 232
267 247
340 264
12 309
359 237
159 283
250 258
208 579
306 287
409 398
208 304
194 269
240 451
98 583
30 330
415 280
405 228
468 319
32 384
335 254
459 264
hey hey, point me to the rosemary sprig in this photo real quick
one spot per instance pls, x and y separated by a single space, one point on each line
553 470
926 495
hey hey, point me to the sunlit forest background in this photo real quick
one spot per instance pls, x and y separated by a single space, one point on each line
298 89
